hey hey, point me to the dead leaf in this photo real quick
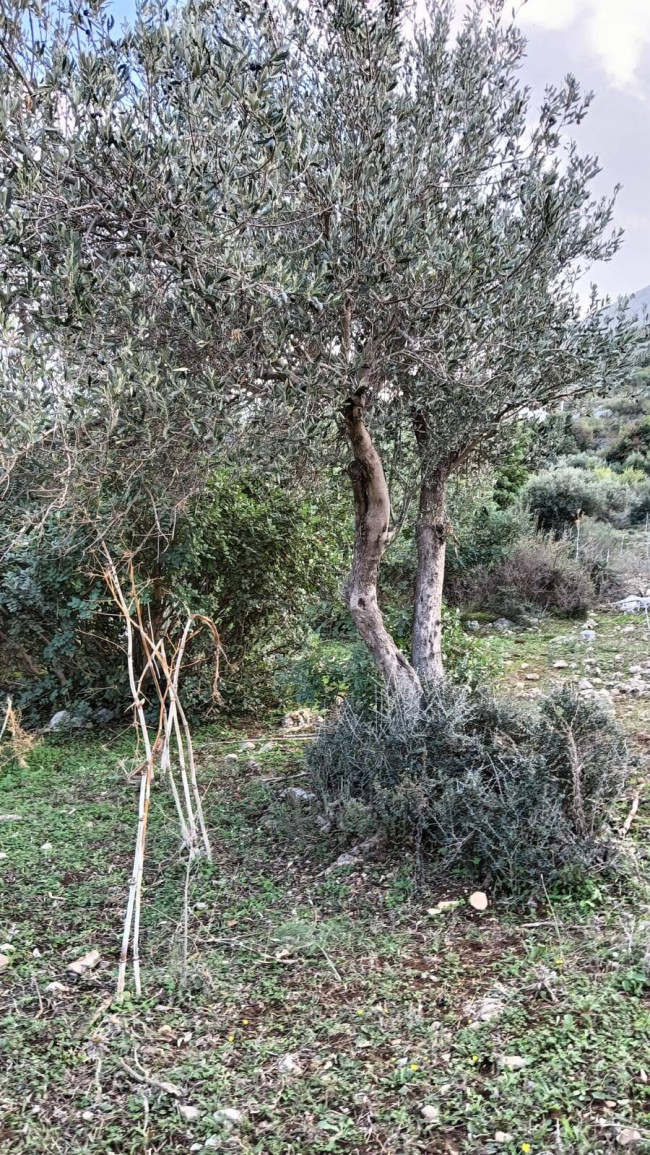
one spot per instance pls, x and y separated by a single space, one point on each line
87 962
446 904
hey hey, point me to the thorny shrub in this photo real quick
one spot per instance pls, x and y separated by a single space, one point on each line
478 784
538 574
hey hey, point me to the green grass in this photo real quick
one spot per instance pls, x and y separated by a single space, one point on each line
345 970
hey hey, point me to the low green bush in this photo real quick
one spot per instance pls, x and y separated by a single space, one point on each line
557 498
482 535
640 508
248 554
503 795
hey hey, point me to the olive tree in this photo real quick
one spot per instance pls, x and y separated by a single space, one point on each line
263 230
139 172
450 223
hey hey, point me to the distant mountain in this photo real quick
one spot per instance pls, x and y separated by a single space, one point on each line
638 305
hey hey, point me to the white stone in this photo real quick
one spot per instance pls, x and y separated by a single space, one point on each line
483 1010
628 1136
46 847
431 1114
502 1137
189 1113
514 1062
588 635
300 795
59 720
632 604
228 1115
289 1065
4 961
232 758
560 665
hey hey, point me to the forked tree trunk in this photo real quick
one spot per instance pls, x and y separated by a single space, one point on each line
372 535
431 540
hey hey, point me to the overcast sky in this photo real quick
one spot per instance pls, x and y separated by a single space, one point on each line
606 44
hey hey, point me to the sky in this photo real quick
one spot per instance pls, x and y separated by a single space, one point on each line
606 45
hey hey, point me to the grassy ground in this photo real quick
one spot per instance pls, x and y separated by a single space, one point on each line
346 971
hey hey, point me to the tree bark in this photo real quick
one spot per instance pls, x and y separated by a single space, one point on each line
431 541
372 535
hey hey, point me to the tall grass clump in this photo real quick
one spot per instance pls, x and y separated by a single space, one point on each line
479 785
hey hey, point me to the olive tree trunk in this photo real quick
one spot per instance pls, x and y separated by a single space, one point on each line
431 539
372 535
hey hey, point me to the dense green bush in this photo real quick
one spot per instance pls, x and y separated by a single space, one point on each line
482 535
479 785
633 444
539 573
249 554
640 508
557 498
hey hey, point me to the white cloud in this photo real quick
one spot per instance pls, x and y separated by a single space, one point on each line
617 31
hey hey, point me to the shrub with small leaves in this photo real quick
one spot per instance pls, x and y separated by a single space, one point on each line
478 784
558 498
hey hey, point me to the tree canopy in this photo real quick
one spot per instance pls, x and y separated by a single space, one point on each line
245 229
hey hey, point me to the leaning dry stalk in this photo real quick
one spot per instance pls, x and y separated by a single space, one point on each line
135 889
165 675
21 741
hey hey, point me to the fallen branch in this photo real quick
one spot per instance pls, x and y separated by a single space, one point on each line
630 818
142 1076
